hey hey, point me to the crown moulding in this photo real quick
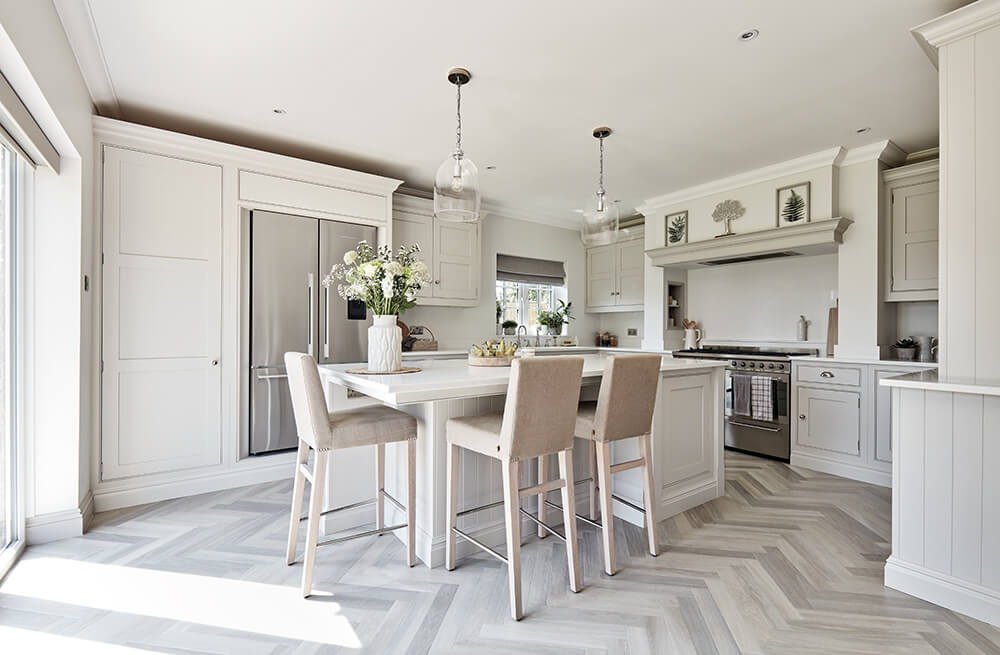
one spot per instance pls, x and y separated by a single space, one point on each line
815 238
963 22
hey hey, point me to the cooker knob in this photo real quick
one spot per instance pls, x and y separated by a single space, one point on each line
770 365
743 364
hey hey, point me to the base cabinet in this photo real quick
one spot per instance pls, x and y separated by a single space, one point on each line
842 418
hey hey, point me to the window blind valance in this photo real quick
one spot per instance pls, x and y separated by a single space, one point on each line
533 271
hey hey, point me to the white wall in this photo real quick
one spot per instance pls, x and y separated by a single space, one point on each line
459 327
917 319
37 60
618 323
762 301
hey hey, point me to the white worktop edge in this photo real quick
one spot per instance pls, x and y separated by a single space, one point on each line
931 381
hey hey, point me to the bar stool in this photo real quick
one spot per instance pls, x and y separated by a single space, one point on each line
538 419
324 431
624 409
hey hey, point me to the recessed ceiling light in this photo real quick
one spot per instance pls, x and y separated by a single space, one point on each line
748 35
278 110
863 130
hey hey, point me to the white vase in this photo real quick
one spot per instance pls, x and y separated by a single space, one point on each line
385 344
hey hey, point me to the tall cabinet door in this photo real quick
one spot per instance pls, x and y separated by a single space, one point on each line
601 276
343 330
456 274
408 229
915 237
631 264
162 391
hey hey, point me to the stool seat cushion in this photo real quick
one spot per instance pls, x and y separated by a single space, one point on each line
369 426
585 414
477 433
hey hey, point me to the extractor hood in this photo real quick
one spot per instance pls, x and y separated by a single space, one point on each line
815 238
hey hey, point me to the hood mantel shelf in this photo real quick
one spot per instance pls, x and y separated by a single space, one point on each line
815 238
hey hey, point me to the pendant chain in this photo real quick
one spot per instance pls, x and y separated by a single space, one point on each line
600 186
458 130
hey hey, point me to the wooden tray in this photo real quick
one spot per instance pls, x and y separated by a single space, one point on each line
490 361
365 371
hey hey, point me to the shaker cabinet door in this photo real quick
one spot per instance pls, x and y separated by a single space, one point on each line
601 276
829 420
915 237
631 265
456 260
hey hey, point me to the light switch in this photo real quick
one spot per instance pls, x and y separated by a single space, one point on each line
632 332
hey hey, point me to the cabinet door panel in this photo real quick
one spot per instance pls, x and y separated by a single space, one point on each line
456 273
631 264
162 394
883 417
915 237
601 276
686 451
409 229
829 420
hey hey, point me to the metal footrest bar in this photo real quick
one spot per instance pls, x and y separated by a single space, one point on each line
392 500
630 504
544 526
464 512
579 516
367 533
481 545
360 503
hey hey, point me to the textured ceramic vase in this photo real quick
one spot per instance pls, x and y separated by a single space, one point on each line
385 345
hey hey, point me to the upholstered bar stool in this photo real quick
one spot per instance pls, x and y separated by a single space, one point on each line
538 419
624 409
324 431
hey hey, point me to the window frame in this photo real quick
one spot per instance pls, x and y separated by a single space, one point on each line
521 305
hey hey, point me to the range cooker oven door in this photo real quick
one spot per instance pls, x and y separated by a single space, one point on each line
771 438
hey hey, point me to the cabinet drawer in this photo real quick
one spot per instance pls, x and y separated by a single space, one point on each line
848 376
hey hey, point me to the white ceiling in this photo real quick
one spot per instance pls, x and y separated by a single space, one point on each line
363 84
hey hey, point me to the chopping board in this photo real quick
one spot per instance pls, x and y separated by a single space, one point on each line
831 329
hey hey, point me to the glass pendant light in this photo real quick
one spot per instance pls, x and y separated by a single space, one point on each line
456 185
600 215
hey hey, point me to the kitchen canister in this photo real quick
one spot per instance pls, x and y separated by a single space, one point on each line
802 328
927 347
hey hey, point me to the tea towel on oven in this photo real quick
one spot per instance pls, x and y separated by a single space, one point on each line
741 394
762 401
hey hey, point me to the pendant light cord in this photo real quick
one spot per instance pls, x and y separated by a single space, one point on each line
458 129
600 184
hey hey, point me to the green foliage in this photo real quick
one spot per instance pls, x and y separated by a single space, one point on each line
905 342
387 283
676 229
556 317
795 208
499 311
508 324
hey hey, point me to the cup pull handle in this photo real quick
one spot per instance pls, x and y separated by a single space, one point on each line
826 374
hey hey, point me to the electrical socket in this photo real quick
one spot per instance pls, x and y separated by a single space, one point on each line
632 332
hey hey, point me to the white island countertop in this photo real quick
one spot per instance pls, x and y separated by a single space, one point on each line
447 379
933 381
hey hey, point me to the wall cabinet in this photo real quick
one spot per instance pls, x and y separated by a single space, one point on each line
842 418
615 276
452 252
911 250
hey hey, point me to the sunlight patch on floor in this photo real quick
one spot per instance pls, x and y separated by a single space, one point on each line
273 610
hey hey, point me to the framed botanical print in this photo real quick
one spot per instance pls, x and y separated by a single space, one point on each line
792 207
677 228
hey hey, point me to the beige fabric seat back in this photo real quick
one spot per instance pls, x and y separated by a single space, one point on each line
627 397
312 419
540 413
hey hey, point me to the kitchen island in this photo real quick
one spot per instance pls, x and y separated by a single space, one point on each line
687 443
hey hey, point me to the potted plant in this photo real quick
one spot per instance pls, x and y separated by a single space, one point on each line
555 319
388 285
509 327
906 349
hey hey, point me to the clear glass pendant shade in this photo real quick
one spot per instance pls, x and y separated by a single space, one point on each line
456 190
600 221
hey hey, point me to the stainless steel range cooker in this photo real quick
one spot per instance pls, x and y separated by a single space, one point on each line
761 437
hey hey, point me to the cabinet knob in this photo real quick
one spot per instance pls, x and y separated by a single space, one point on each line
215 362
802 417
437 281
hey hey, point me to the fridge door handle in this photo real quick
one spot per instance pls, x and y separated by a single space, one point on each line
326 323
312 313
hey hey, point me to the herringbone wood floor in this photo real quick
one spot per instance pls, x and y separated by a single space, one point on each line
789 561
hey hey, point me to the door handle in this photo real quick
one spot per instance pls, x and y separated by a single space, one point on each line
326 323
311 314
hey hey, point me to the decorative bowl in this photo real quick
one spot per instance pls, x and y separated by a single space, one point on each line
490 361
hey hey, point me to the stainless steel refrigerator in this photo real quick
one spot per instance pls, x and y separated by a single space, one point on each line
291 311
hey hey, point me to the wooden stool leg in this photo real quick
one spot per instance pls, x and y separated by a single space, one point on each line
649 498
297 493
512 505
543 476
315 509
592 464
569 518
380 486
607 515
411 502
452 501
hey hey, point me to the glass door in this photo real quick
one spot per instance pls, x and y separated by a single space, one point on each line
9 489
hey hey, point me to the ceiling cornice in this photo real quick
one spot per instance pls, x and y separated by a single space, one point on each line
490 208
884 151
829 157
956 25
81 31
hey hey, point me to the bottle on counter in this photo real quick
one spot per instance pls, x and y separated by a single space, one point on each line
613 340
802 328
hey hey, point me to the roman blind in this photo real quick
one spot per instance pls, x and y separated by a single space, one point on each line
534 271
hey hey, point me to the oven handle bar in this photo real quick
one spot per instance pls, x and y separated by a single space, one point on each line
755 427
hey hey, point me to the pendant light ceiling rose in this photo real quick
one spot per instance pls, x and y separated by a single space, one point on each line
602 132
459 76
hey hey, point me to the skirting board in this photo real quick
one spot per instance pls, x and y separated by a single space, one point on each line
842 469
957 595
59 525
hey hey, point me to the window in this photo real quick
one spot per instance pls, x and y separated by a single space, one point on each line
523 301
9 496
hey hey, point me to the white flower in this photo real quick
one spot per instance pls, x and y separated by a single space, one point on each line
350 256
387 286
419 268
370 269
394 268
410 295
